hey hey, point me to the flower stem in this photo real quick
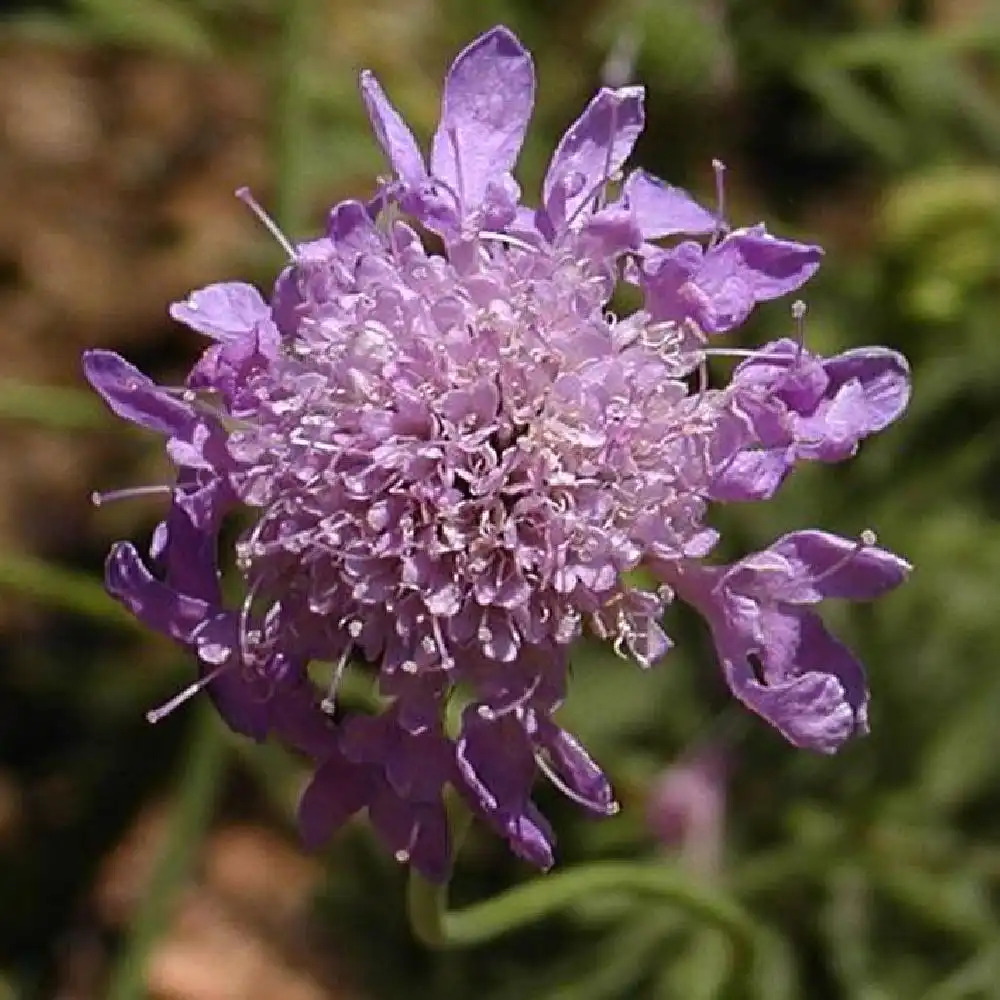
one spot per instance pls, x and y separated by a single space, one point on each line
426 901
524 904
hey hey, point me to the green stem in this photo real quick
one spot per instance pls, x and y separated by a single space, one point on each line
427 901
291 119
549 894
200 774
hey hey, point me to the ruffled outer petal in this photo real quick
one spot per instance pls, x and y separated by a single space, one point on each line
496 769
884 377
337 790
832 566
812 690
769 266
223 311
156 605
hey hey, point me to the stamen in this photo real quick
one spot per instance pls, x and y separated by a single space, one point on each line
244 636
799 316
269 224
155 715
446 661
492 714
459 179
404 854
592 195
182 392
250 548
745 352
99 499
329 703
719 168
549 771
699 397
866 540
488 234
610 154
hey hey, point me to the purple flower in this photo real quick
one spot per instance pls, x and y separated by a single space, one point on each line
452 461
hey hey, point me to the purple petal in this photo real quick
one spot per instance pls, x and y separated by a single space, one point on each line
240 695
488 97
814 690
832 566
350 227
664 210
189 547
755 474
223 311
832 433
337 790
422 766
368 739
770 267
155 604
577 769
135 397
495 762
610 232
783 367
666 276
293 714
415 834
884 376
530 836
392 133
431 851
594 147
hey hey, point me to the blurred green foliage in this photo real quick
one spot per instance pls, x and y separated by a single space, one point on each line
871 127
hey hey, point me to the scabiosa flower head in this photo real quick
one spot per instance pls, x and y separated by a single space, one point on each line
454 459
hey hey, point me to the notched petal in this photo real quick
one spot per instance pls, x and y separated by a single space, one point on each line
223 311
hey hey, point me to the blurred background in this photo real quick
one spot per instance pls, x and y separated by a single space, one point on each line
161 861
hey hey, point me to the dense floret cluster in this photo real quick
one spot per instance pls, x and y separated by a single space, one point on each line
454 459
